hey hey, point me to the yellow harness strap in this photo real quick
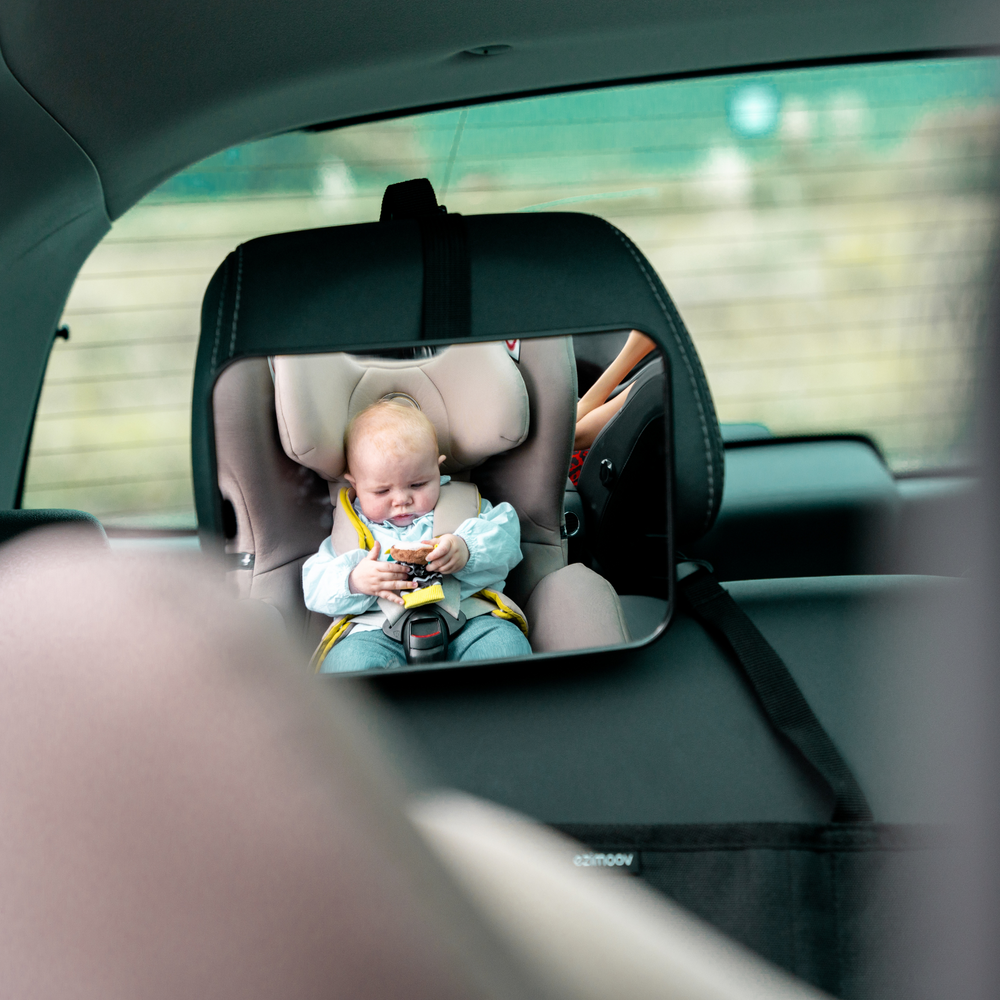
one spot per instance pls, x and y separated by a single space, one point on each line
504 610
366 540
330 636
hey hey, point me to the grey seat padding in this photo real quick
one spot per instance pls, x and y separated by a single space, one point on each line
574 608
282 510
670 732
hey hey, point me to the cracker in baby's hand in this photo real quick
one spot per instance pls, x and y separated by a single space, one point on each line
413 553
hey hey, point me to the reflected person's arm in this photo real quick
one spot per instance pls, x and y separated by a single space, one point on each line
636 348
589 426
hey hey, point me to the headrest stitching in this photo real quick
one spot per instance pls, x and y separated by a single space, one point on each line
687 362
400 395
218 318
236 306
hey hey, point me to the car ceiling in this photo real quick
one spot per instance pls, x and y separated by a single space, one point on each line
101 100
148 88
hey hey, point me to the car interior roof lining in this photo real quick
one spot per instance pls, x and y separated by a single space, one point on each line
141 120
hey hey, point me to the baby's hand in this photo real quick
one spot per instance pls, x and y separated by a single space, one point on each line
379 579
449 555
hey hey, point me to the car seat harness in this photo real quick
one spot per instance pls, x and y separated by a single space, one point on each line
433 613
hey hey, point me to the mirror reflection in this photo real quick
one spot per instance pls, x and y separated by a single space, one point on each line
442 504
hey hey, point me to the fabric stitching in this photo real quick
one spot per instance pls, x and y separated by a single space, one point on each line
218 318
709 465
236 304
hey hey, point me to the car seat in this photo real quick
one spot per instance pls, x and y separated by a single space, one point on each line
515 447
16 522
316 291
622 474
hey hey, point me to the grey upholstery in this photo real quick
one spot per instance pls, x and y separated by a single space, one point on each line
643 614
533 476
282 510
804 508
574 608
317 395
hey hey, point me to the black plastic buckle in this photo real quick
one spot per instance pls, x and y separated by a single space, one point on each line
424 633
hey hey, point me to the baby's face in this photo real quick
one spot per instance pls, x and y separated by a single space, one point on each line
395 487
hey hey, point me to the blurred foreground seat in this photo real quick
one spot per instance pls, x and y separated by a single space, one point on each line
186 815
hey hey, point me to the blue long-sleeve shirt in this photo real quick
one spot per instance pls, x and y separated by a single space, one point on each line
493 539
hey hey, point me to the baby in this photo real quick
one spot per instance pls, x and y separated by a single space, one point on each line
393 464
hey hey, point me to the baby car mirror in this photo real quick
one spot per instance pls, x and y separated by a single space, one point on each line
449 503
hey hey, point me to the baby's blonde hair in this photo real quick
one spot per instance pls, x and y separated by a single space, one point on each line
392 426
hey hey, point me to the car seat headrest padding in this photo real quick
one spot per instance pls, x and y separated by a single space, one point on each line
558 273
473 394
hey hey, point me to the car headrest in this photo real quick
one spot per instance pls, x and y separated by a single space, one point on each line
473 394
530 274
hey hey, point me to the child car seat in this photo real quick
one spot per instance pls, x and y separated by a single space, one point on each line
475 398
279 445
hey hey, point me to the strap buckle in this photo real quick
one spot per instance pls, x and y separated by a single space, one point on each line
425 632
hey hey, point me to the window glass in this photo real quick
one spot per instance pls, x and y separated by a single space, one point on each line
825 234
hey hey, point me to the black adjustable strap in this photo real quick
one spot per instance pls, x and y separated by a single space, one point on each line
447 302
783 702
447 313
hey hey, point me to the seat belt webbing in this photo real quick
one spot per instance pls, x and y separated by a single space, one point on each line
446 313
781 698
447 306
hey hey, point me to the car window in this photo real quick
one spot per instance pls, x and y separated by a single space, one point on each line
825 233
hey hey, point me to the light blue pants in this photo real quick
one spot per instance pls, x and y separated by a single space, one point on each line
484 638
